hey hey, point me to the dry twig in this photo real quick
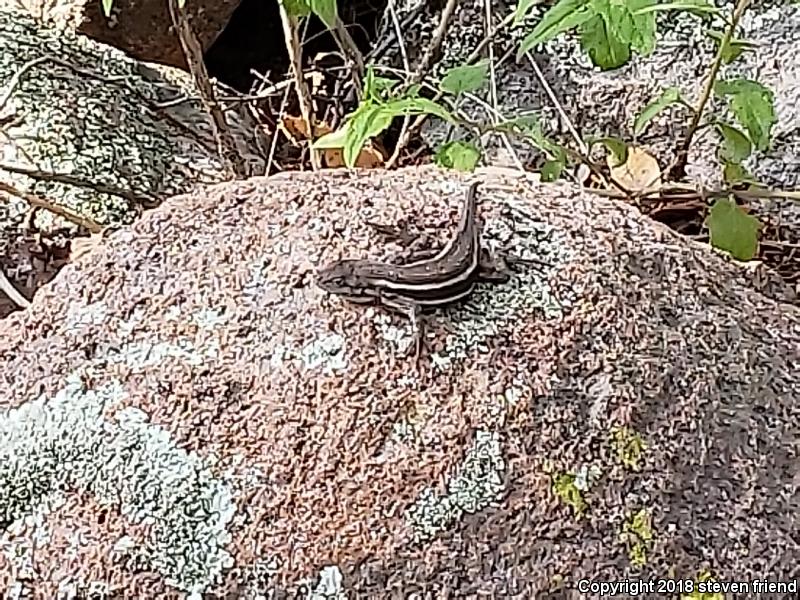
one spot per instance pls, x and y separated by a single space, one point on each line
292 39
405 136
39 202
193 53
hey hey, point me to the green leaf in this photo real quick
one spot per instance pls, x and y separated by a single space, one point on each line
636 30
334 139
458 155
107 4
296 8
551 170
732 229
605 49
523 8
527 126
368 121
693 6
325 10
465 78
562 17
417 106
753 105
371 119
618 148
733 49
380 87
736 147
736 174
667 98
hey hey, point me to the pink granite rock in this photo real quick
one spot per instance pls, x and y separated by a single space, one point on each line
183 412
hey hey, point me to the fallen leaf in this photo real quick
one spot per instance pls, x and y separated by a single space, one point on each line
641 171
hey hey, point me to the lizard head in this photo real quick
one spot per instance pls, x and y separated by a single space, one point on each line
343 278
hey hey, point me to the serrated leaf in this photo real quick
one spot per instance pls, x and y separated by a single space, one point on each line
667 98
732 229
458 155
605 49
296 8
107 4
325 10
564 16
735 145
753 105
522 10
694 6
465 78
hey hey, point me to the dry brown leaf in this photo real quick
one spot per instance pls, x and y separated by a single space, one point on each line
641 171
372 154
369 157
295 128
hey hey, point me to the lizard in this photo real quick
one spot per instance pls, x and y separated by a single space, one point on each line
444 278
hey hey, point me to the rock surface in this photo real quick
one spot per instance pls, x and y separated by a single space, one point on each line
93 130
142 28
182 409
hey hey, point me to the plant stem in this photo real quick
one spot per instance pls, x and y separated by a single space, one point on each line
679 167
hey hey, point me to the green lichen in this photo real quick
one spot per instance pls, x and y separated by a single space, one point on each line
477 484
565 488
628 446
637 533
695 594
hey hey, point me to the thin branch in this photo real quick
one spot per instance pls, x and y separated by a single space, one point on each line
402 142
688 192
274 145
350 50
557 104
68 179
436 42
492 74
12 83
39 202
292 40
193 53
679 166
407 66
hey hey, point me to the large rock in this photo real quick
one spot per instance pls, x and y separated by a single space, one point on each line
182 409
142 28
92 130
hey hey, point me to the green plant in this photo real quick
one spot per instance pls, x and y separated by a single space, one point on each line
637 532
610 30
